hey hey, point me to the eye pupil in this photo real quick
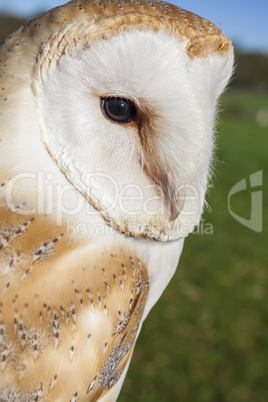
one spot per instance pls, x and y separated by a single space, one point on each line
119 110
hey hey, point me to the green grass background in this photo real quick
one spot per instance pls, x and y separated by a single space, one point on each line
206 340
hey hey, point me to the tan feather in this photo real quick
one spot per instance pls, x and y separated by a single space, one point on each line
69 313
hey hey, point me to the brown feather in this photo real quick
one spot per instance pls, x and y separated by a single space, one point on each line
70 312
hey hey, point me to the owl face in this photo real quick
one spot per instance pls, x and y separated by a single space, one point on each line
128 117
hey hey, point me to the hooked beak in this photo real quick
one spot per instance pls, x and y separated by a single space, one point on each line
155 171
174 201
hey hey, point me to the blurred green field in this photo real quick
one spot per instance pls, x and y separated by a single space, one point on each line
207 338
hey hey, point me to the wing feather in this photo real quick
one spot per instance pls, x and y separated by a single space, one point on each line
70 311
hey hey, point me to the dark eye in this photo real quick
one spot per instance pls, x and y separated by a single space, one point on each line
119 110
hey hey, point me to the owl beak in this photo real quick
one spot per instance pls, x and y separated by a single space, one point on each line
173 200
157 172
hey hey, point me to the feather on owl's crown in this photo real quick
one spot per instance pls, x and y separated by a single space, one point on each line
80 23
201 37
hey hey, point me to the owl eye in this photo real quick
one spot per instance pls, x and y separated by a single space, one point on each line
119 110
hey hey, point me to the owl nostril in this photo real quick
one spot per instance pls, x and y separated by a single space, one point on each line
118 110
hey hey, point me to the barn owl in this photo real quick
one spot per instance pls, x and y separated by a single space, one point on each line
107 116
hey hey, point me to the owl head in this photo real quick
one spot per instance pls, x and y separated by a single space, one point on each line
125 94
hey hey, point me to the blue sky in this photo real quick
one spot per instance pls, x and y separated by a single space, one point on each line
244 22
